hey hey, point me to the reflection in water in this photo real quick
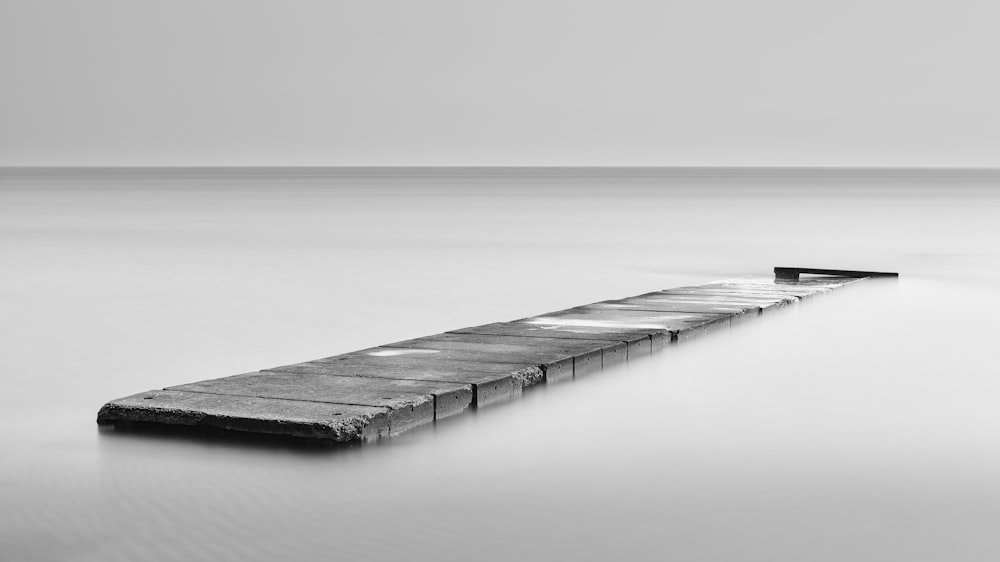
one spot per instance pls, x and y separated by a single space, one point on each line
862 425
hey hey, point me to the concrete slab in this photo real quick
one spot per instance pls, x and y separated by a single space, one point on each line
527 373
487 388
668 304
736 313
410 403
724 297
638 344
767 304
314 420
611 352
734 295
560 358
813 283
668 322
801 291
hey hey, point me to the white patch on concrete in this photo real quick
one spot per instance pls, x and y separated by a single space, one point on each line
580 322
393 352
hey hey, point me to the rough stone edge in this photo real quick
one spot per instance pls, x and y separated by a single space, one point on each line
529 376
355 428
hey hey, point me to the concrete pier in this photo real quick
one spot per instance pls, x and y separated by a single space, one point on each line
366 395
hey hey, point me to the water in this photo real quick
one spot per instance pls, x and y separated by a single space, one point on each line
862 426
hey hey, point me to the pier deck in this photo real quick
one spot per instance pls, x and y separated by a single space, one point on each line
366 395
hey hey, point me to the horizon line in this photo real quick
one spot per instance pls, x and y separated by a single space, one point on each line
459 171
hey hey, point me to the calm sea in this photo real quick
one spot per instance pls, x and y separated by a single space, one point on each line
861 426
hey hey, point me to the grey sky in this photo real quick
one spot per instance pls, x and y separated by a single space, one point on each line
459 82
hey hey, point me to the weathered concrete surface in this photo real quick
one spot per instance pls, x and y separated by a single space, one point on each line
488 388
766 304
736 313
638 344
637 339
672 323
316 420
560 359
588 354
369 394
767 290
666 303
734 295
532 369
410 403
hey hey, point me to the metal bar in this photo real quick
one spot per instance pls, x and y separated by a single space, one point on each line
792 273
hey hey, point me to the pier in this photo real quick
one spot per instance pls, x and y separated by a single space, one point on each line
366 395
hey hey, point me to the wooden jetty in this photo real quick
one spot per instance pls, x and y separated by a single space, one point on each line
366 395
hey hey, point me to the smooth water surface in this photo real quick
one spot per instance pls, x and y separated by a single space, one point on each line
860 426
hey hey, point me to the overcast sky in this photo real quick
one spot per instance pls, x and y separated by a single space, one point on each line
507 82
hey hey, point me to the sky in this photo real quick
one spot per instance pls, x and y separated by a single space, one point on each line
513 82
